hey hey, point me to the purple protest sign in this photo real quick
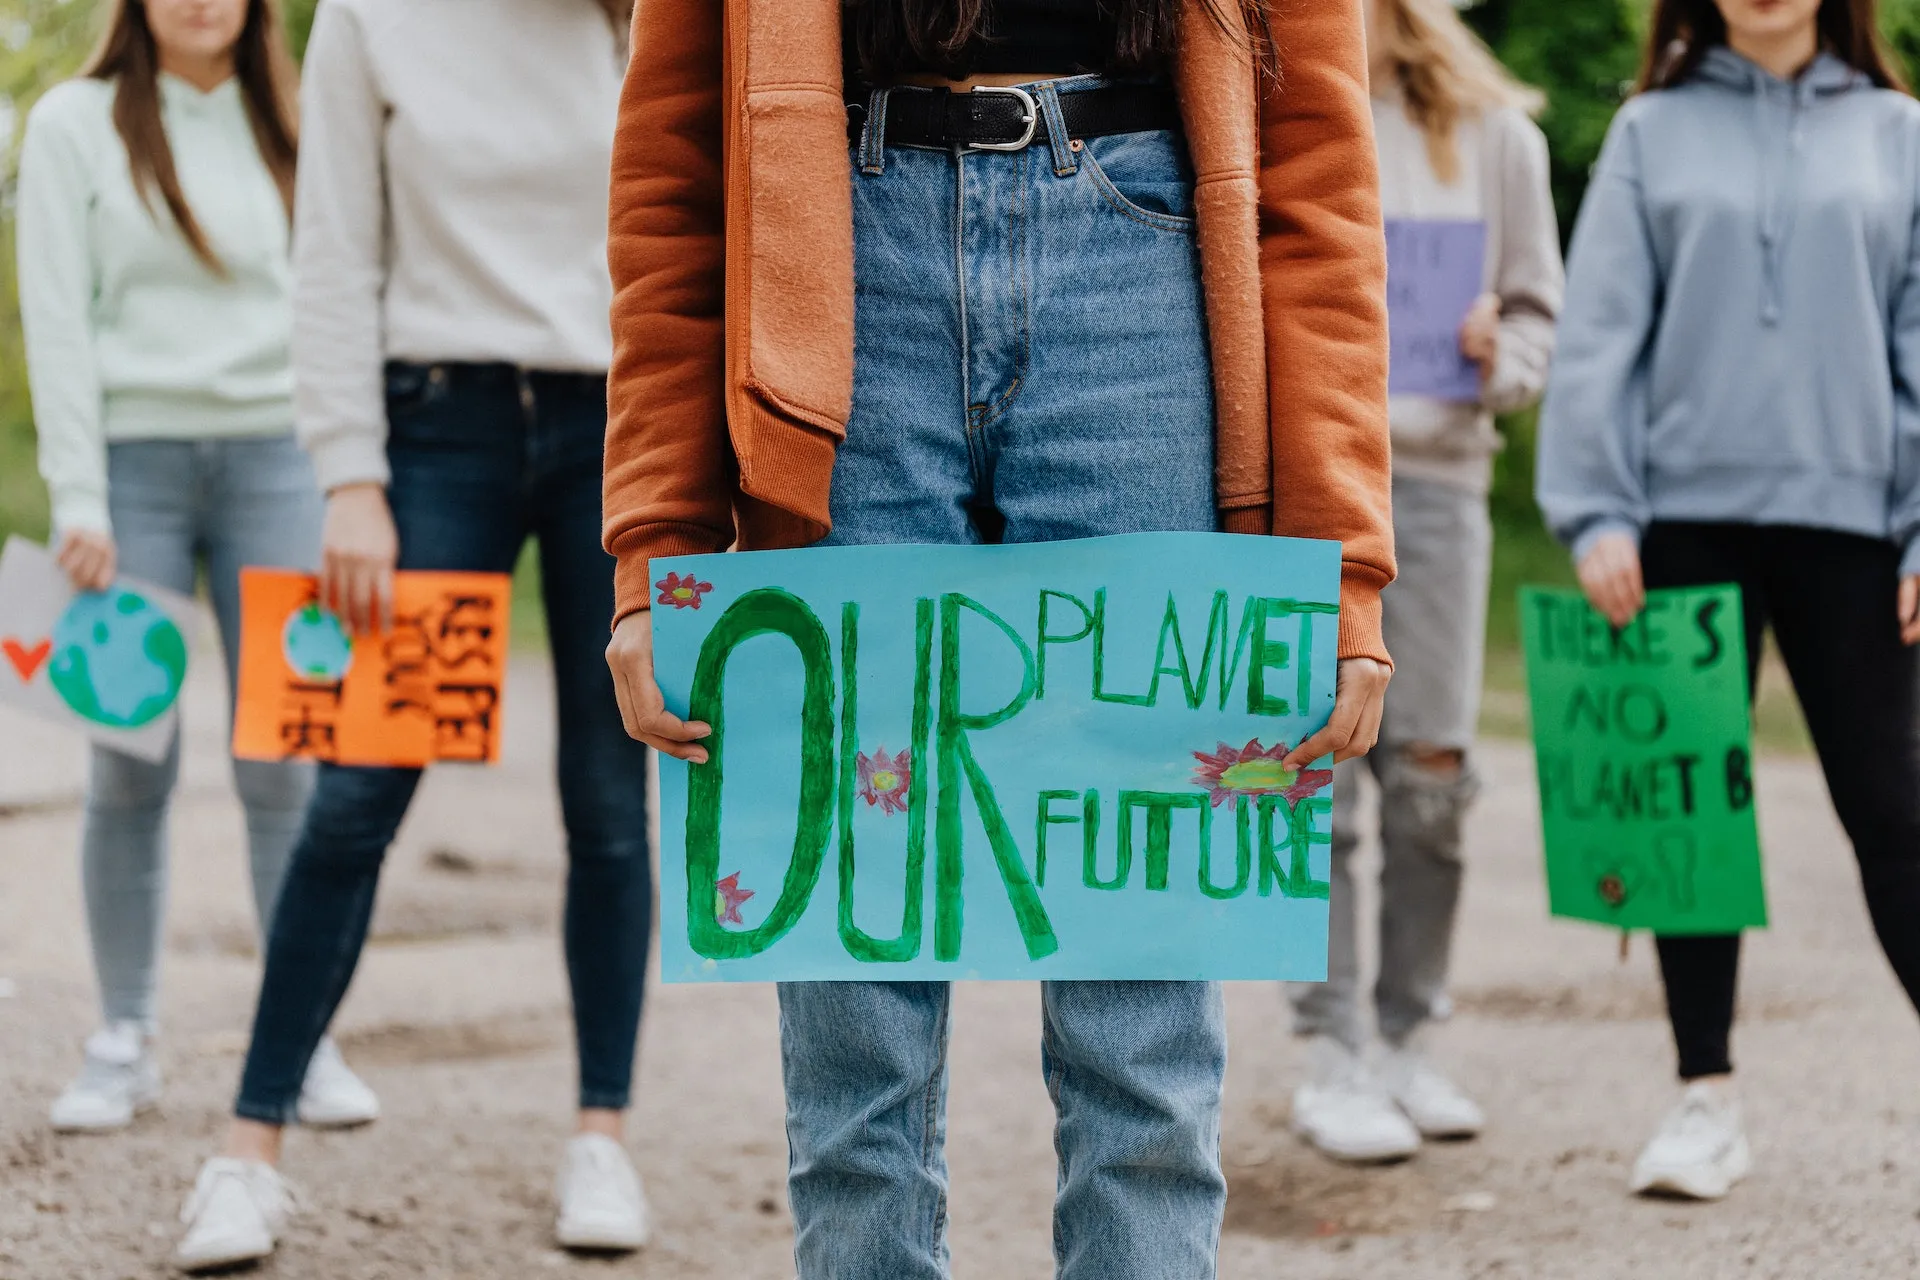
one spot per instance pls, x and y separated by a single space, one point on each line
1434 272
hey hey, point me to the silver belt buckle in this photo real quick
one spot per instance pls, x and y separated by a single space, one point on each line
1031 118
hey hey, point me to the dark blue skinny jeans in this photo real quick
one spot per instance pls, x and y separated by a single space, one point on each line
484 456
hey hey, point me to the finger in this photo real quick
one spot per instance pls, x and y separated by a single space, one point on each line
1366 735
1609 599
1635 584
1335 735
359 597
101 575
93 569
1622 592
692 753
665 724
624 696
76 560
1599 591
328 587
343 594
678 738
1908 600
382 597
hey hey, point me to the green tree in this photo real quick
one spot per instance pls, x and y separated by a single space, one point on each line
1583 54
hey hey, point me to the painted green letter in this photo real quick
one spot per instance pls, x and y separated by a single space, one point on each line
762 612
859 944
956 759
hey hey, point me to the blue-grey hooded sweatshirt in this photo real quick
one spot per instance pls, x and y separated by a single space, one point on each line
1741 335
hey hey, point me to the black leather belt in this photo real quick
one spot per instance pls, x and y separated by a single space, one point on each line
994 119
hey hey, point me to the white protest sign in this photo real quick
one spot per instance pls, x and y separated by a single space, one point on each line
109 663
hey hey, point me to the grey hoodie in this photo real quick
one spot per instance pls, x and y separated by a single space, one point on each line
1741 337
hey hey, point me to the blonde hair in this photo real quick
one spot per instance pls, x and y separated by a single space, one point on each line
1445 74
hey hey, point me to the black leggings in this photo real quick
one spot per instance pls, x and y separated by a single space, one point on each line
1829 598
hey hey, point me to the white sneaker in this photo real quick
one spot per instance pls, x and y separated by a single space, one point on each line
118 1081
1344 1113
1438 1107
236 1212
602 1205
1700 1151
332 1097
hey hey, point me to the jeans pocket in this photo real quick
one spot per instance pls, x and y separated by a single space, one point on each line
411 387
1145 176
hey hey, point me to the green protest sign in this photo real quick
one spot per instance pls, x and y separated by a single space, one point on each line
1643 742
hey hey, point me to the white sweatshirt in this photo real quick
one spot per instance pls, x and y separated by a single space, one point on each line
452 203
1502 179
129 335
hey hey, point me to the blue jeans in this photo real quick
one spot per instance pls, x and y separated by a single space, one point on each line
482 457
1030 364
175 505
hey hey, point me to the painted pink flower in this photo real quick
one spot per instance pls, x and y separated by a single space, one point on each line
727 897
682 593
1254 770
884 779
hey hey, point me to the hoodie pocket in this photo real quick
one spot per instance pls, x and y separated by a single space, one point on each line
800 254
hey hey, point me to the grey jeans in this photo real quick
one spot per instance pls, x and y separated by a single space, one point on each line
1435 624
177 504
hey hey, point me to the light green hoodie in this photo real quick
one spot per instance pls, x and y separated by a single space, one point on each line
130 336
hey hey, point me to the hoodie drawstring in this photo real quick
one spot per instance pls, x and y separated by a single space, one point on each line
1776 202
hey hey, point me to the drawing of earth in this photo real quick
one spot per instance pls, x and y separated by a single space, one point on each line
117 660
316 646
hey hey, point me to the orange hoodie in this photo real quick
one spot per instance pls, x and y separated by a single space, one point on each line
730 241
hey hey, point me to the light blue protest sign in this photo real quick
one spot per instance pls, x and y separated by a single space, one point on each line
1057 760
1434 272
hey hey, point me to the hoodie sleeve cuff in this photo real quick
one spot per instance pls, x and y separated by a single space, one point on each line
1360 633
357 458
81 509
1599 529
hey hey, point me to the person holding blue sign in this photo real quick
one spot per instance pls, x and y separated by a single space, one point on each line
1474 284
154 205
899 271
1737 399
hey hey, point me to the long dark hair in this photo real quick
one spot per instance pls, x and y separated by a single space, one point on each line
1683 30
940 35
130 57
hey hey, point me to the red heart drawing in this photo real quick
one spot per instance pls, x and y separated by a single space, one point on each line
25 661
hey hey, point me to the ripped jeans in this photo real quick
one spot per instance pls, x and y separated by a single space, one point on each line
1435 618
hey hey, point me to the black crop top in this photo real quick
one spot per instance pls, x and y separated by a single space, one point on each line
1047 37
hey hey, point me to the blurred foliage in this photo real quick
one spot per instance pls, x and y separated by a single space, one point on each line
1584 55
41 42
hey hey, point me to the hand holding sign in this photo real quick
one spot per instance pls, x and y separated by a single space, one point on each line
642 708
109 663
89 559
1643 744
430 687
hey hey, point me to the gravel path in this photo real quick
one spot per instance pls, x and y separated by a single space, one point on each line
459 1019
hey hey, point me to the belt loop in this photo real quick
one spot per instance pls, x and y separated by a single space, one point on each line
1065 163
873 135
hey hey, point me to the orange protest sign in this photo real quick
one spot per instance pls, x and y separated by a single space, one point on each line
428 688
